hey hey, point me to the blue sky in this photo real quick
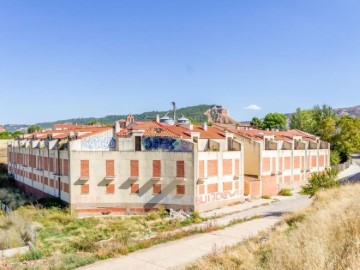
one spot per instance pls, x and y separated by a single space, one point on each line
64 59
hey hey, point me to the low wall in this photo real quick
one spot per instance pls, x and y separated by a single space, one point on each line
342 166
13 251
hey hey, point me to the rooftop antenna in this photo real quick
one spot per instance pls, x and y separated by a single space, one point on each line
174 109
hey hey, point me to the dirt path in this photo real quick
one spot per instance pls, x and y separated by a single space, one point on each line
177 254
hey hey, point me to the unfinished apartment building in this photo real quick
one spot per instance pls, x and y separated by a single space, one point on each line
280 159
132 167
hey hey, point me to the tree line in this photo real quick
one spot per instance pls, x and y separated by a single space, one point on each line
342 132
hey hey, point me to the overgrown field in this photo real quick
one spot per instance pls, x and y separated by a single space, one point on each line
62 238
62 241
324 236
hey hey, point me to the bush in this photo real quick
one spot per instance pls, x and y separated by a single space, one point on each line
334 157
285 192
3 168
51 202
31 255
321 180
153 216
265 196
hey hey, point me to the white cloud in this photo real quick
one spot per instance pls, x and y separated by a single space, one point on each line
252 107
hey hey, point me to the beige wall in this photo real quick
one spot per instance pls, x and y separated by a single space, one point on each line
3 150
210 200
252 157
122 197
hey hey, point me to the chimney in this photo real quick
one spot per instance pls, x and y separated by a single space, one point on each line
117 126
191 126
205 126
157 118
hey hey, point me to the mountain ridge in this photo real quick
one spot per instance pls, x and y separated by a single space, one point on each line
197 113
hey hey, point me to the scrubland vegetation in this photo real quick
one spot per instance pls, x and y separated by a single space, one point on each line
61 237
324 236
61 241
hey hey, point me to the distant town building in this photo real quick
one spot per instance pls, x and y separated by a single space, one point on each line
132 167
2 128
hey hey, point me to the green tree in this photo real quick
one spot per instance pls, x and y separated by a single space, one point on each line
17 133
325 129
5 135
321 180
33 128
256 122
323 112
347 137
274 121
302 120
96 122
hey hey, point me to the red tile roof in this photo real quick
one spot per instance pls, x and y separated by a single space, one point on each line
155 129
84 131
256 134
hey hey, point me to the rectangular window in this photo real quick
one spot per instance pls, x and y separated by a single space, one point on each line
180 168
46 163
85 189
52 165
110 170
110 188
180 189
156 189
227 186
156 168
212 167
266 164
237 166
134 168
66 187
297 162
212 188
287 162
84 168
201 169
134 188
227 167
137 143
65 167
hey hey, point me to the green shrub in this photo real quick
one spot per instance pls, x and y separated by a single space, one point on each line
153 216
334 157
321 180
73 261
196 217
3 168
51 202
31 255
267 197
285 192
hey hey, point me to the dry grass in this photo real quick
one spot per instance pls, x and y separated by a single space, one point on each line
324 236
66 242
14 231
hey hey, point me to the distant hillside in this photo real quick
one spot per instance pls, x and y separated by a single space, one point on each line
15 127
195 113
351 111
